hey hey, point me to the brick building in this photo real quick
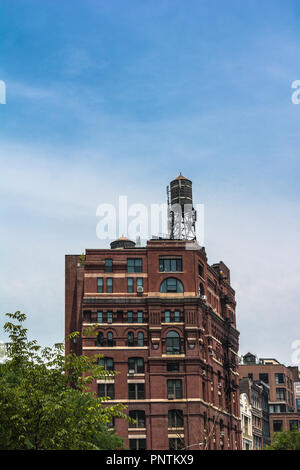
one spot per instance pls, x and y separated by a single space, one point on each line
282 411
165 320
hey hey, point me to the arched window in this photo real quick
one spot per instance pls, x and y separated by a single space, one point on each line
100 340
173 342
140 338
110 339
130 339
107 363
171 284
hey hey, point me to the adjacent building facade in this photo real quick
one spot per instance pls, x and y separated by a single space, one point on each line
255 397
280 379
246 421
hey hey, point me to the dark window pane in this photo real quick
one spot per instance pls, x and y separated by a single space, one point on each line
173 343
172 366
277 426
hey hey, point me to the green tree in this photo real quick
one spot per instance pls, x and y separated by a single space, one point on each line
44 398
286 440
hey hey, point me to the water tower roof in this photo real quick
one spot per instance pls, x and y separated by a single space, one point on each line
180 177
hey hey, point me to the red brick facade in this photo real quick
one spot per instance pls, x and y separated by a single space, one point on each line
189 338
281 399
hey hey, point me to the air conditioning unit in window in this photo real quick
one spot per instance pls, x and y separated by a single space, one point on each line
140 289
109 320
203 297
171 396
131 372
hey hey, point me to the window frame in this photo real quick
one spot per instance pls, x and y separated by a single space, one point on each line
130 285
173 343
109 390
134 265
100 285
108 267
109 285
170 265
174 387
139 391
140 417
171 285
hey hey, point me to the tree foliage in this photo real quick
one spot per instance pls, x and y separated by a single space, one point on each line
286 440
44 398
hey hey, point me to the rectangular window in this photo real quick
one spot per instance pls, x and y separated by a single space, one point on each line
175 419
99 284
136 391
136 364
280 394
170 264
109 317
174 389
200 269
177 316
106 390
277 426
130 317
139 417
108 266
130 284
134 265
100 317
293 423
109 285
279 379
139 282
172 366
167 316
264 378
137 444
140 317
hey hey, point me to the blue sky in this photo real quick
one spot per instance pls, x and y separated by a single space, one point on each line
108 98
